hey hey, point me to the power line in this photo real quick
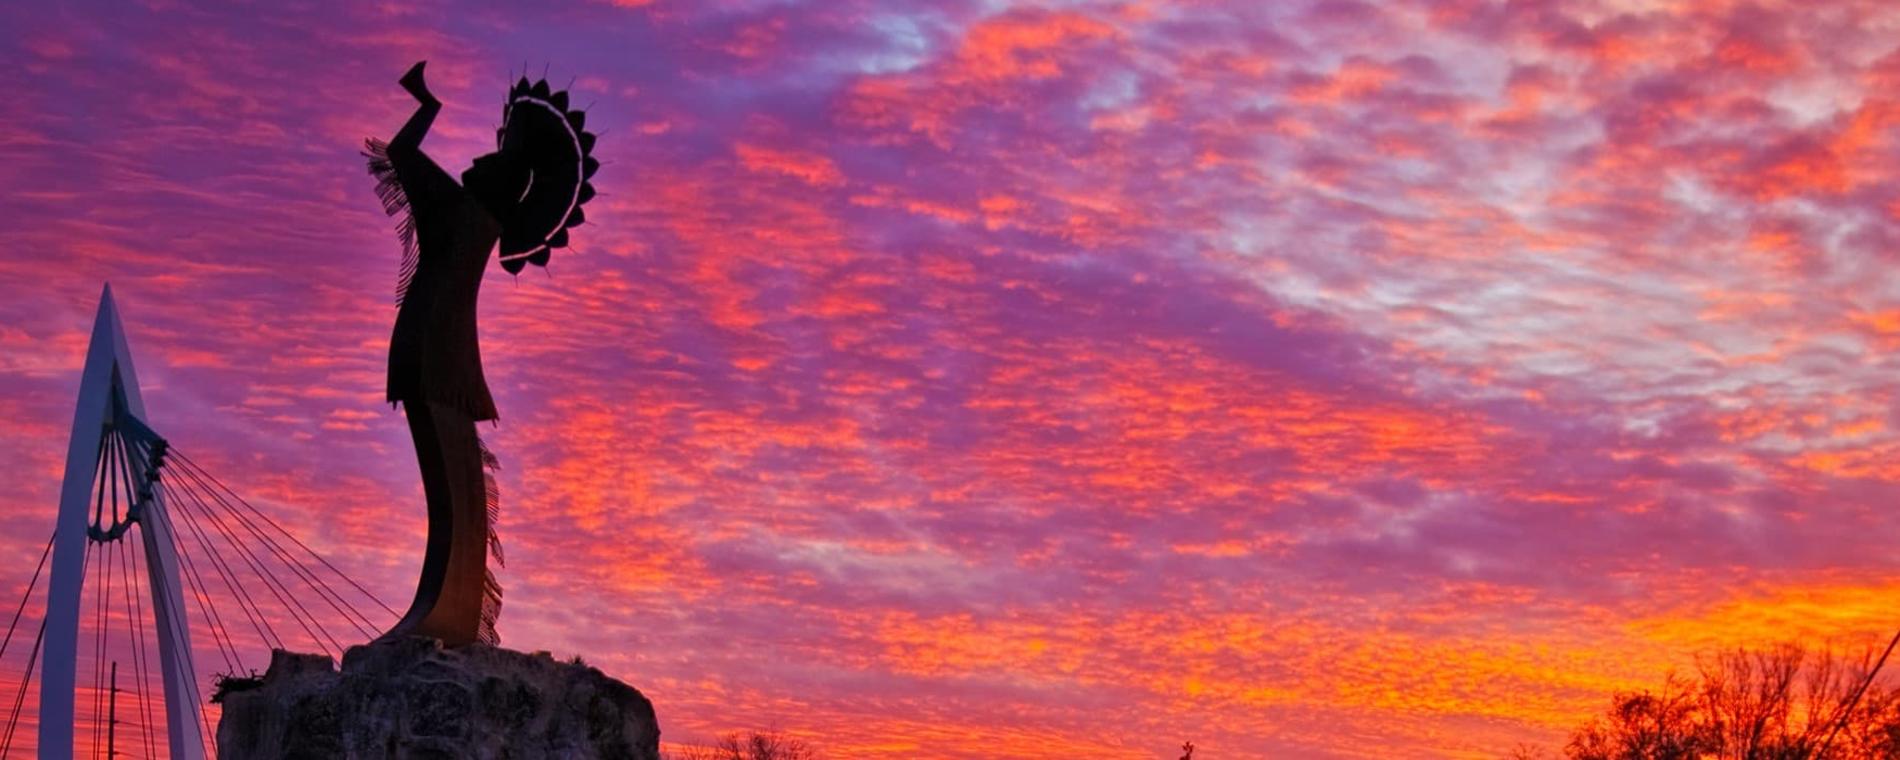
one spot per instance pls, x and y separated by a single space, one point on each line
1859 691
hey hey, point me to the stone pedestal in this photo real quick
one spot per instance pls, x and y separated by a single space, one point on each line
413 699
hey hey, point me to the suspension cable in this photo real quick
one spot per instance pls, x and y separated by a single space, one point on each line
101 640
99 489
126 481
287 534
266 579
179 636
135 621
201 593
28 594
254 614
220 634
134 605
323 590
271 583
194 580
19 698
308 574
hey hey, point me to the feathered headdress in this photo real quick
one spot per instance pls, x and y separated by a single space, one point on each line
549 141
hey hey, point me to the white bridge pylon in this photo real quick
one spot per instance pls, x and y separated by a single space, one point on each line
110 405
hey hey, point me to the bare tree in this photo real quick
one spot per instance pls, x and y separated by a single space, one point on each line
1781 703
1644 725
1750 707
1529 752
749 745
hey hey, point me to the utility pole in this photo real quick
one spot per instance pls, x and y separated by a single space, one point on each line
112 713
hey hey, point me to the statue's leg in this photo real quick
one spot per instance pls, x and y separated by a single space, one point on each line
448 603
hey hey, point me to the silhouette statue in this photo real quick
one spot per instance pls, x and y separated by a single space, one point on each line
524 196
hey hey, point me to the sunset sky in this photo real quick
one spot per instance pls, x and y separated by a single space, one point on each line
990 380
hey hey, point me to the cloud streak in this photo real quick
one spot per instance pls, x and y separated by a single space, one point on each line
1322 379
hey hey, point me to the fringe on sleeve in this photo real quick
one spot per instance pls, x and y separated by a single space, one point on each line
491 588
396 204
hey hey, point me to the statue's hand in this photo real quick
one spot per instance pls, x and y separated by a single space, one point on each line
412 82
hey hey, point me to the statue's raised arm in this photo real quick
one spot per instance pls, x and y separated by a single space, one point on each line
524 197
409 138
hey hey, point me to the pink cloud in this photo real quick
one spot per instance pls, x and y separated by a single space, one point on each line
949 380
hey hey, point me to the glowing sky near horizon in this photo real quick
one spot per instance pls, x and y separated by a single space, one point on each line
984 379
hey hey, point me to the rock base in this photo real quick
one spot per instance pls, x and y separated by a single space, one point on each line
412 699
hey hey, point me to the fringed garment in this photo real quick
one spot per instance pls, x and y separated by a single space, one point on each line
435 374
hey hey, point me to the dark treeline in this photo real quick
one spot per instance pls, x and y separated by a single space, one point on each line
1783 703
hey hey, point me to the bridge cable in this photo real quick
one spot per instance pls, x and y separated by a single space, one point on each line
220 487
99 489
259 621
293 537
201 593
103 644
31 658
226 647
28 594
258 568
101 687
275 585
135 621
138 457
107 490
19 698
322 589
135 605
179 631
180 627
105 687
